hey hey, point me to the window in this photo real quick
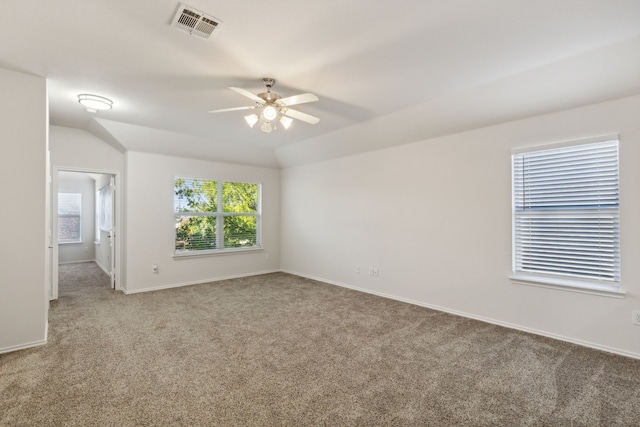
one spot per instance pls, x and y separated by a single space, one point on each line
69 218
215 216
566 215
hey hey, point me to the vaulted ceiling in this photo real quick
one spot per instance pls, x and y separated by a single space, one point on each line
386 73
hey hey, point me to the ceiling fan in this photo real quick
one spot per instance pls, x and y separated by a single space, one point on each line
274 107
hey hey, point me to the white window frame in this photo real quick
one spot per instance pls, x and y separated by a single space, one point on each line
70 242
528 216
220 215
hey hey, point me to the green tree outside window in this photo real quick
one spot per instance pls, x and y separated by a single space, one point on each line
215 215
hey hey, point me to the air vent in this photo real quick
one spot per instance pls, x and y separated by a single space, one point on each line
194 22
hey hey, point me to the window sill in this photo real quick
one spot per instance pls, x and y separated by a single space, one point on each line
70 243
569 285
229 251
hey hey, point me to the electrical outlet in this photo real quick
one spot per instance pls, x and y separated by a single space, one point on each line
635 317
375 272
370 271
266 256
357 269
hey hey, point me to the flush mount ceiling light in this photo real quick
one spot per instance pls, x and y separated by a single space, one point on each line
93 103
274 108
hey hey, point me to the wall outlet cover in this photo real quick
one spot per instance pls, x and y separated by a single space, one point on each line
635 317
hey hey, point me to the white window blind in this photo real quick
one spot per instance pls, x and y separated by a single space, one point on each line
566 212
69 217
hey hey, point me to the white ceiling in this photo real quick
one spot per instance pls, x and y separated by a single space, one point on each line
386 73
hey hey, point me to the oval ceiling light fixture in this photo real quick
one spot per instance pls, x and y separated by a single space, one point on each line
93 103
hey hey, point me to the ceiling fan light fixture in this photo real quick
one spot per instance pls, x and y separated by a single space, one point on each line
270 113
272 108
286 121
251 119
266 127
93 103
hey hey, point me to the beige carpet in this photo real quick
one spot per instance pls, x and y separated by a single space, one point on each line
282 350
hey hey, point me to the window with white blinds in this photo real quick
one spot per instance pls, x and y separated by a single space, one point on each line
566 213
215 216
69 217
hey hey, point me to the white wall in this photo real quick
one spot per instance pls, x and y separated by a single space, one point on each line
435 218
23 132
150 223
76 148
84 251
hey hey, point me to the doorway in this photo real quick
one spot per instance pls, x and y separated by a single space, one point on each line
85 218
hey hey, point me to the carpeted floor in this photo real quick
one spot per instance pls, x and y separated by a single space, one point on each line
282 350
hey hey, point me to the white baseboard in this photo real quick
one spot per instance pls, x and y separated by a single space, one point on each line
197 282
102 268
76 262
475 317
23 346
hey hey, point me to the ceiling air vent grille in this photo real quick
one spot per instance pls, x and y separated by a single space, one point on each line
194 22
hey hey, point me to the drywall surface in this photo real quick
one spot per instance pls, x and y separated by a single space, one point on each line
434 219
78 149
23 132
150 223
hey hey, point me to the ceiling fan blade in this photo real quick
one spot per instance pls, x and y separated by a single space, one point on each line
233 109
300 116
248 94
298 99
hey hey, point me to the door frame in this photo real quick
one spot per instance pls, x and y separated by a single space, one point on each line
117 224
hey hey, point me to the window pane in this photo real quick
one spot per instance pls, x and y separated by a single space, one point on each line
69 229
69 217
566 212
195 195
195 233
198 204
240 231
239 197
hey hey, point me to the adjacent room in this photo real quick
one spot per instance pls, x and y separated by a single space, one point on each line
84 222
320 213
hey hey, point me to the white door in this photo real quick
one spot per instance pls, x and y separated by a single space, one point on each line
112 234
54 234
49 232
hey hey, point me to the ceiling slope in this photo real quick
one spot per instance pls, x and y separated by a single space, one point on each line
386 74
